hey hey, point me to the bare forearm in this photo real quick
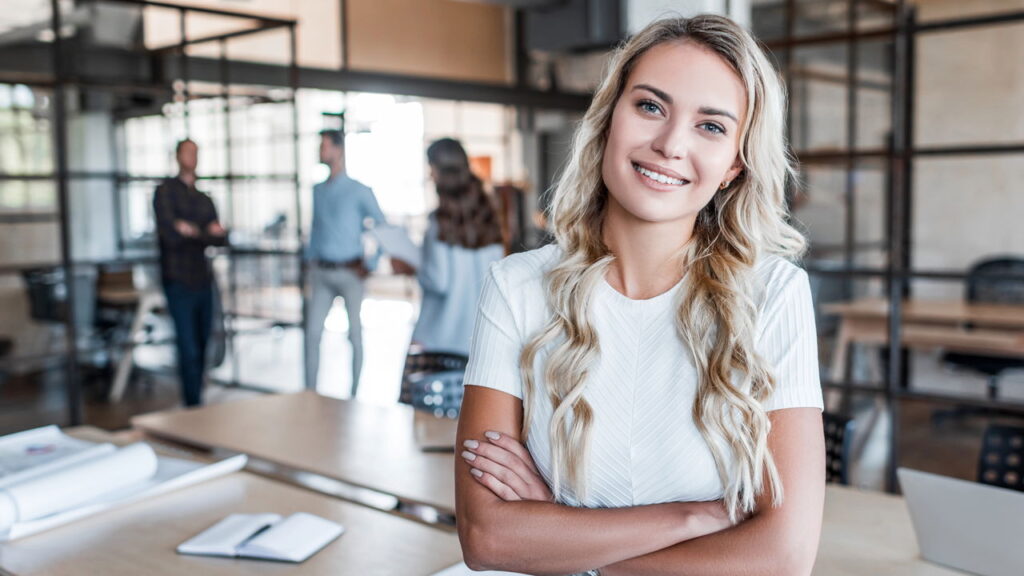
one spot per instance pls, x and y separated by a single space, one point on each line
753 548
544 538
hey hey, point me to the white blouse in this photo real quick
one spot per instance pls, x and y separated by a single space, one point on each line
645 448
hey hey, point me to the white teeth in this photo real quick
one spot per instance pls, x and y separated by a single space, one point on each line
658 177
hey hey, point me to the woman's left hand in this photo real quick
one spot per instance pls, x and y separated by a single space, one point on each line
505 467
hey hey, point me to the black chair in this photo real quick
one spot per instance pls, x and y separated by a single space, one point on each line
838 440
984 286
1002 457
438 392
423 362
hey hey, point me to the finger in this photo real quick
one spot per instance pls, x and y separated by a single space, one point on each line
527 473
502 473
514 446
494 485
499 454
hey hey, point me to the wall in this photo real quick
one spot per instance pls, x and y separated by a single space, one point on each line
319 30
970 87
640 12
437 38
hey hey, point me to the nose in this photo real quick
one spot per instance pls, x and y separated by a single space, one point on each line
673 141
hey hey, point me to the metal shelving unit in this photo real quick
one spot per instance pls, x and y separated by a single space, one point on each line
897 158
171 82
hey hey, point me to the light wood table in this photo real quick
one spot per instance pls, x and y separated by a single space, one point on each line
868 533
997 329
140 539
367 446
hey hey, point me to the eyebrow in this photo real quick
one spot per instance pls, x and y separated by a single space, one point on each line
705 110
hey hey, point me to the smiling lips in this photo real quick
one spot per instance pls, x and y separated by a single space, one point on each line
659 177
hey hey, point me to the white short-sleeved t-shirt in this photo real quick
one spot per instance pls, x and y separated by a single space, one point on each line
645 448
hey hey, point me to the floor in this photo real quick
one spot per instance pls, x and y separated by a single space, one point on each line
267 358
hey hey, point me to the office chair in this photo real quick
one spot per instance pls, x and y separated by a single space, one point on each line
838 442
424 362
1001 462
438 392
983 288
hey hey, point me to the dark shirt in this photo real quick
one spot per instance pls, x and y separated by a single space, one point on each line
183 259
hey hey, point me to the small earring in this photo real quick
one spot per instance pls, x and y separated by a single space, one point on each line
725 185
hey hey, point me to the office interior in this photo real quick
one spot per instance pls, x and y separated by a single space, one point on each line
903 118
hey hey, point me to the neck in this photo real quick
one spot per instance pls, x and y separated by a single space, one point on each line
188 177
646 253
337 168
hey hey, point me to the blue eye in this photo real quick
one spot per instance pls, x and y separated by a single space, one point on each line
713 128
649 107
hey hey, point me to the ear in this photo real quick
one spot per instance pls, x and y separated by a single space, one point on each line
734 171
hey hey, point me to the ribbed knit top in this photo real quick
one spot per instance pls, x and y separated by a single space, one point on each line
645 448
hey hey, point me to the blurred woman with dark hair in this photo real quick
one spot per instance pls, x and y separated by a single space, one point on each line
463 238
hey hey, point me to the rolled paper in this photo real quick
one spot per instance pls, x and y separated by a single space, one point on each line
78 484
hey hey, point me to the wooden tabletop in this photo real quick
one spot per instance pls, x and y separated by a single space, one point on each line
869 533
863 533
935 311
141 538
361 444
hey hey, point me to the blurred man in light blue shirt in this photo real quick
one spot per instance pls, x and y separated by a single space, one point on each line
342 209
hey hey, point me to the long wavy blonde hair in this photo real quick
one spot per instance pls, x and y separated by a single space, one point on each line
717 310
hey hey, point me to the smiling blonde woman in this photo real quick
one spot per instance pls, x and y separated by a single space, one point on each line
643 395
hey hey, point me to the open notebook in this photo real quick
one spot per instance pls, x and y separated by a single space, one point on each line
265 537
48 478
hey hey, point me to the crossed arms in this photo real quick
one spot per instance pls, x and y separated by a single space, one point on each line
508 521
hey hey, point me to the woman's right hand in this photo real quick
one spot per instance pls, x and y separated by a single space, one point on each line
504 466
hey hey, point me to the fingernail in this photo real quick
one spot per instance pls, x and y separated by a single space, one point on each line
476 472
468 455
471 444
492 435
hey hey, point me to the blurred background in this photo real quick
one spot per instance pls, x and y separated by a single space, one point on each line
904 118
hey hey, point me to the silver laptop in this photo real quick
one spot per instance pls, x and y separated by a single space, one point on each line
966 525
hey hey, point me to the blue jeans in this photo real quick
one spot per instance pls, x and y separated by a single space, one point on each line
192 312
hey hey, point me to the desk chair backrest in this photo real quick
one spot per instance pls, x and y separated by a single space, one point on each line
985 286
47 293
419 363
838 440
438 392
116 278
1002 457
982 286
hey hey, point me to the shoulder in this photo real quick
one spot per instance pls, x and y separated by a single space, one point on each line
354 184
166 186
778 282
774 271
525 270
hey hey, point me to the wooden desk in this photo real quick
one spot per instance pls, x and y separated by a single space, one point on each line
141 538
368 446
863 532
867 533
998 328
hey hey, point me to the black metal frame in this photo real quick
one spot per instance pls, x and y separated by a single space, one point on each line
899 157
62 77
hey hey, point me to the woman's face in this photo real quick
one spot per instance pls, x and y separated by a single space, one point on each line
674 135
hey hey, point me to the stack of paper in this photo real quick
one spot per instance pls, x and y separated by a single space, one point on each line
49 478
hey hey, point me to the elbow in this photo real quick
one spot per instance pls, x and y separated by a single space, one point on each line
794 558
484 538
480 547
